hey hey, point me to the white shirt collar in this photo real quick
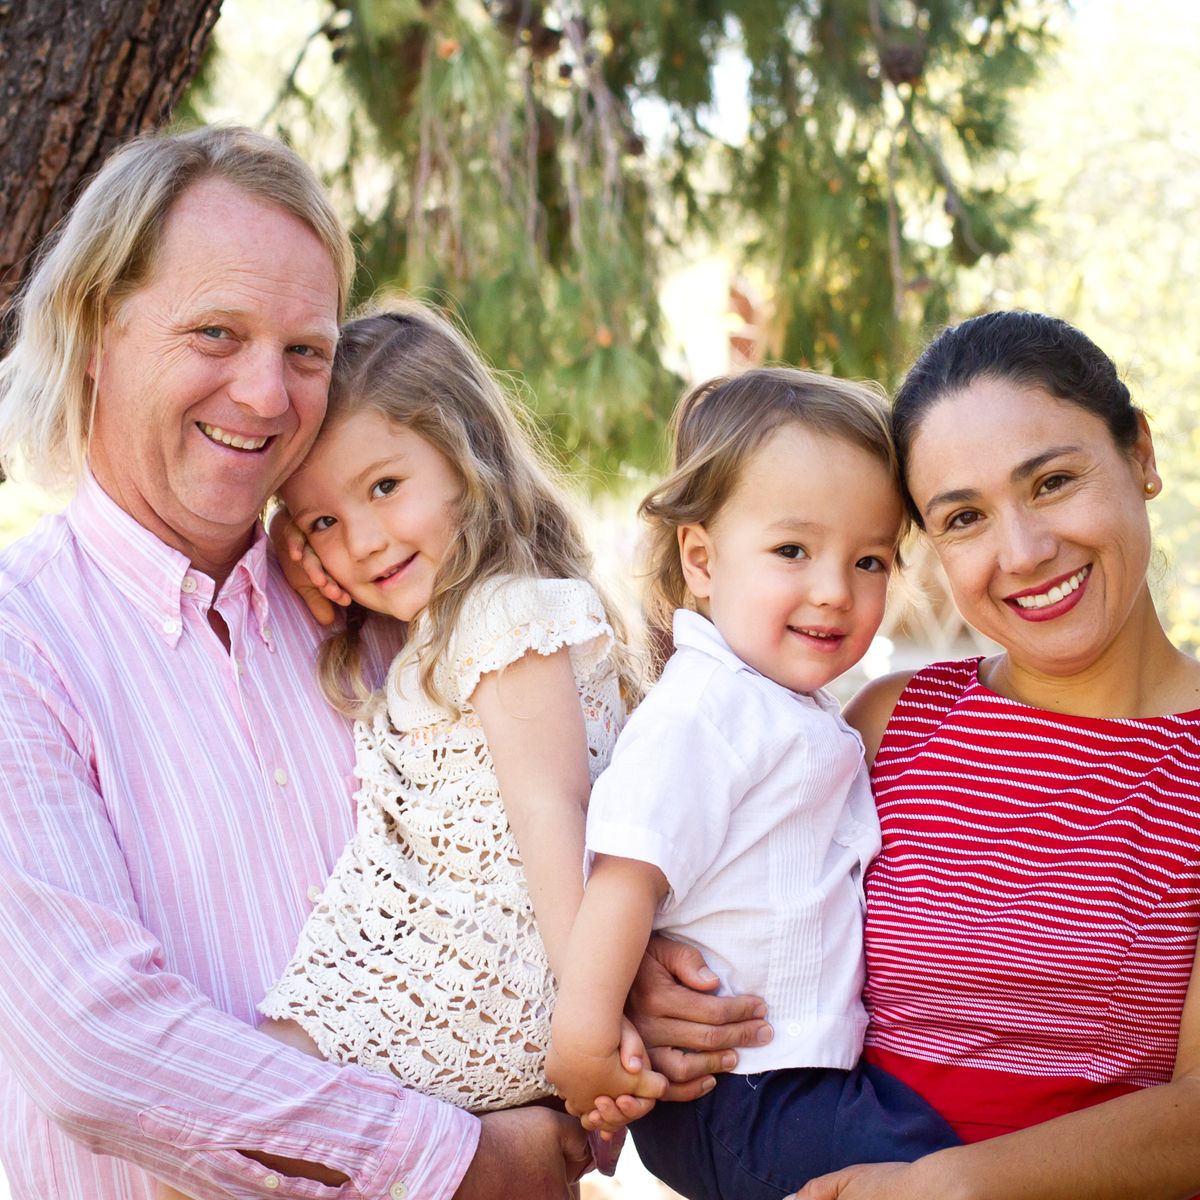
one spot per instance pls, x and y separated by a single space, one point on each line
695 632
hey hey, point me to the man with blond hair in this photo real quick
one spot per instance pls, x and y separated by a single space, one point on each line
176 788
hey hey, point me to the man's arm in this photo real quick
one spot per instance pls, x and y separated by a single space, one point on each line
133 1061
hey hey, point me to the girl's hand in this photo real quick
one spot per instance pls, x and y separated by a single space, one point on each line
302 568
870 1181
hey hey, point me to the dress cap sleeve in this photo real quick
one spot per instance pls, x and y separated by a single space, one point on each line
503 619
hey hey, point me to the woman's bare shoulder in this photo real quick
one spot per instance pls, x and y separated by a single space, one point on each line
871 708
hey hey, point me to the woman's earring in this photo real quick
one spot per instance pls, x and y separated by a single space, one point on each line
1150 487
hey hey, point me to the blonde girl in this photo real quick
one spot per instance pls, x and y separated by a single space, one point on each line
431 950
736 815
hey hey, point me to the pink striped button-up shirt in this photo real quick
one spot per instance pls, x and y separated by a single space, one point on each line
170 809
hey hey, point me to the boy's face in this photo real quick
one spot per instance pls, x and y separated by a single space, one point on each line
793 571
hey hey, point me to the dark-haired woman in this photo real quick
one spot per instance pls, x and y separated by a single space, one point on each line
1032 917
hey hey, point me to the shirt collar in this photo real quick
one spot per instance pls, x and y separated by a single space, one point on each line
157 579
697 632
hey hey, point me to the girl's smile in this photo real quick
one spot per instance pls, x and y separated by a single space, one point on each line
378 503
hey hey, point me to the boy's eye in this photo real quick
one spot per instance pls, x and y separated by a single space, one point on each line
385 487
791 550
872 562
320 524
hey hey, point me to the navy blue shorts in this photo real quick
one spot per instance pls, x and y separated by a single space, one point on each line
762 1137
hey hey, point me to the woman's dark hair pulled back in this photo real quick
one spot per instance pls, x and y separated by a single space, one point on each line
1019 347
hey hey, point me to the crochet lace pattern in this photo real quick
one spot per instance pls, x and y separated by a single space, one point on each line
422 956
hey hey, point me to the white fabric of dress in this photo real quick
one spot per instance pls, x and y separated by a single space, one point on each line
422 956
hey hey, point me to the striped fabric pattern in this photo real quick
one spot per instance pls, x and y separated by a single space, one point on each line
168 808
1035 905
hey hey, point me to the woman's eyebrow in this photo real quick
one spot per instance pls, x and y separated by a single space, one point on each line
1032 465
1020 472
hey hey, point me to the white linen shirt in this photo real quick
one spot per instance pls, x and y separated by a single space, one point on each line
755 804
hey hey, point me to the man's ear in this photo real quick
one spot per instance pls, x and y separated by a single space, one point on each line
695 557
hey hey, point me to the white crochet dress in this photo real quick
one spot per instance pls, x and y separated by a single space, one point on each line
422 957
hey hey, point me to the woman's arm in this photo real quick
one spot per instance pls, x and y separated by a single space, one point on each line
871 709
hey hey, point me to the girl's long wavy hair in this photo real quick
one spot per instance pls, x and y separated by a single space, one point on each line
715 429
411 364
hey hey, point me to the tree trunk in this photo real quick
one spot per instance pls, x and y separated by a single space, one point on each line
77 77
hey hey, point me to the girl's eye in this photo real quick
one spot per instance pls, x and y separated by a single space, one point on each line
873 563
320 524
385 487
791 551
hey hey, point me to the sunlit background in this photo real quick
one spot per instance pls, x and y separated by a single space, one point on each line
1105 151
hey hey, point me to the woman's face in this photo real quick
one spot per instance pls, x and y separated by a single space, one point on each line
1038 518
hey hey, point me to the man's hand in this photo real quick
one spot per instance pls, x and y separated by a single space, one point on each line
529 1153
689 1034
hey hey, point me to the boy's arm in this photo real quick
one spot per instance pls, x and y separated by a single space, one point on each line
606 948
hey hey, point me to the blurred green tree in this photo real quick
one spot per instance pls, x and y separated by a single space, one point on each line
496 153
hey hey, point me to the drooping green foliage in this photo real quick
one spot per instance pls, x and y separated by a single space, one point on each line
529 161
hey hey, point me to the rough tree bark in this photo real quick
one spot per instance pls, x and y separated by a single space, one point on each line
76 78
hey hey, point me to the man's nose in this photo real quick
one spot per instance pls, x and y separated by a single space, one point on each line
259 385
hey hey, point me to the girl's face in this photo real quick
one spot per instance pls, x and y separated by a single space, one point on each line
1038 518
378 503
793 570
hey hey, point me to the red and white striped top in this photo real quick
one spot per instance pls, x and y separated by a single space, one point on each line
1032 916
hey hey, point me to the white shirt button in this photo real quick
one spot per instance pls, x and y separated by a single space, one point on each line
271 1181
314 893
170 625
189 584
397 1191
280 776
267 632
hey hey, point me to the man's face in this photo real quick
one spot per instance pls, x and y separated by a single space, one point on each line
212 378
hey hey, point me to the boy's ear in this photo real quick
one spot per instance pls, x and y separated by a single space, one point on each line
695 557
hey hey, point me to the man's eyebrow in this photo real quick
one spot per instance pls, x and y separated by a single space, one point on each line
1020 472
207 314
